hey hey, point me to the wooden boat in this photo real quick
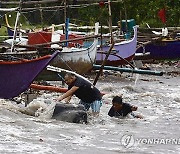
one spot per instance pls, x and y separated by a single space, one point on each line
16 76
121 53
41 37
161 49
80 60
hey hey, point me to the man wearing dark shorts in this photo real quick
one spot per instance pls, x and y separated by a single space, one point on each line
89 95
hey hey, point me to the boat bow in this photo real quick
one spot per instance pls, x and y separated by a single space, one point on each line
16 76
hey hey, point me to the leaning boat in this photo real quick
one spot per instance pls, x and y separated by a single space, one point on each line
122 52
16 76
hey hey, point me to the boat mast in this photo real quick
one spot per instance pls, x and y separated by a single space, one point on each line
16 24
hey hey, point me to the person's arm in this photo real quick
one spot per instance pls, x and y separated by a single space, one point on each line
136 116
111 112
134 108
70 92
139 116
67 100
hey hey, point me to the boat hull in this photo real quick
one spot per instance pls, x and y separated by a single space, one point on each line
123 50
79 60
162 50
16 76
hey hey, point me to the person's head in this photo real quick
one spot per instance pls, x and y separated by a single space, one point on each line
69 78
117 103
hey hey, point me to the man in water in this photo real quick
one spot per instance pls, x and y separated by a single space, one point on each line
89 95
120 109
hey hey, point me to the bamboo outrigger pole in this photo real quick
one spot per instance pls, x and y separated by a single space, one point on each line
56 42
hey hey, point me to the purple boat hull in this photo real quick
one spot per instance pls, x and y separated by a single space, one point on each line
123 50
16 76
163 50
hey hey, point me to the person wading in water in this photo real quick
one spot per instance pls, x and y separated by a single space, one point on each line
88 94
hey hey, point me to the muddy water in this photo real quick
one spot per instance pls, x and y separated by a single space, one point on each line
157 98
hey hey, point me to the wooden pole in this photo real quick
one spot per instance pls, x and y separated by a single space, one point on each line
125 12
50 1
110 20
15 26
57 42
111 47
65 11
28 2
56 6
41 16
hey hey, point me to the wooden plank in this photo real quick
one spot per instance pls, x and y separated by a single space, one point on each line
19 53
47 1
29 2
78 5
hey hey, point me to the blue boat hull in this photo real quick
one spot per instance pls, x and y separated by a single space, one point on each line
162 50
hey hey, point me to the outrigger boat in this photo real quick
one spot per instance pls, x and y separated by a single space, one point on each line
77 59
16 76
158 50
122 52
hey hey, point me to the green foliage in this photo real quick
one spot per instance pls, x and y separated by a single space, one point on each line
3 32
143 11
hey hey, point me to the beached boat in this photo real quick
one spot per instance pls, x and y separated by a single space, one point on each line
80 60
122 52
163 49
16 76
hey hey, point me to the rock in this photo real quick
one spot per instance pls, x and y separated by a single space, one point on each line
70 113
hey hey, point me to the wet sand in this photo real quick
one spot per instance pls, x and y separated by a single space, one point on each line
157 98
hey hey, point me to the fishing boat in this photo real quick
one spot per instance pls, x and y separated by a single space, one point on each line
80 60
75 58
160 49
16 76
122 52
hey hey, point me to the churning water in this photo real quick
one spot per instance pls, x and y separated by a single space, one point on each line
157 98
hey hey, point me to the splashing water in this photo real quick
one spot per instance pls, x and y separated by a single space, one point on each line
157 100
